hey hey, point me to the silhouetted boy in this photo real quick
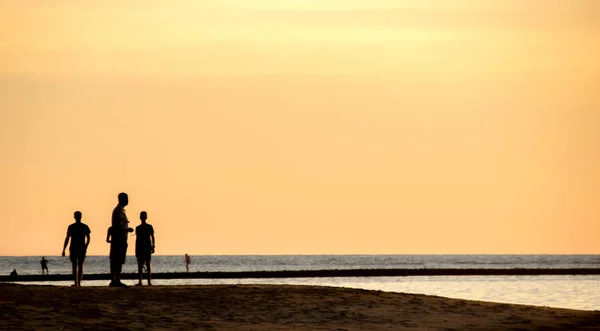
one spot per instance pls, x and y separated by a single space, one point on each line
44 264
118 240
144 246
80 239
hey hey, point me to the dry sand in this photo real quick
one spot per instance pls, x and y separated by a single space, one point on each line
266 307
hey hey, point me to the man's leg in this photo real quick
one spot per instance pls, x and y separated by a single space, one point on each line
112 258
114 263
80 263
112 269
74 266
118 269
124 255
119 261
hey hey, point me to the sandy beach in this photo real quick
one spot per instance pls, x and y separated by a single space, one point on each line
266 307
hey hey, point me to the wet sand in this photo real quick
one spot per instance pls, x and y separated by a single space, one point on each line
266 307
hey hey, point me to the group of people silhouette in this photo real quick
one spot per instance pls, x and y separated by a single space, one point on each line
79 235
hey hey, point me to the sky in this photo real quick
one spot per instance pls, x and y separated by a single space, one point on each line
303 126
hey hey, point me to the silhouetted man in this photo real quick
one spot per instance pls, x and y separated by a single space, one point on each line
188 260
118 243
144 246
44 264
79 234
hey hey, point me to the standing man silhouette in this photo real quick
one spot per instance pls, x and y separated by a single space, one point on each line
44 264
79 234
118 244
188 260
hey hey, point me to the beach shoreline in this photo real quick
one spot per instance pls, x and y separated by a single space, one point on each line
267 307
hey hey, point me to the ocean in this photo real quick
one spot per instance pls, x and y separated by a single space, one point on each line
563 291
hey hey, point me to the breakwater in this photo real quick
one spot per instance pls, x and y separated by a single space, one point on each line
317 273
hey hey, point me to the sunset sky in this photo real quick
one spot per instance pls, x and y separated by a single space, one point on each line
303 126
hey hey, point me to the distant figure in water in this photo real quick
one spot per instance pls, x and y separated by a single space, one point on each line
79 234
188 260
144 247
44 264
118 233
13 274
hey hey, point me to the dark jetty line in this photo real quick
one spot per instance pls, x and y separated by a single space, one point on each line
320 273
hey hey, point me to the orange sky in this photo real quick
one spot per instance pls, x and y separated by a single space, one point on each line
303 127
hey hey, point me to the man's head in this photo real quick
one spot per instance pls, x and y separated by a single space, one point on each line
143 216
123 199
77 216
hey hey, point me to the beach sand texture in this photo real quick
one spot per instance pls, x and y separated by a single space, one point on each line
266 307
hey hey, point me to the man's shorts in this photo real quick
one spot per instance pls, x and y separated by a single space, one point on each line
76 255
118 251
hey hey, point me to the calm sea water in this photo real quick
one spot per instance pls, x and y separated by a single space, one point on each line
576 292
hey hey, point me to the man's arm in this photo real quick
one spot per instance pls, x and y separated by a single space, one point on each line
66 242
152 239
87 240
125 222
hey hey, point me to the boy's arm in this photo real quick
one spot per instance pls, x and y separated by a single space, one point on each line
108 236
152 240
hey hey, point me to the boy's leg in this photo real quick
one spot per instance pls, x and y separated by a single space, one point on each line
148 271
140 266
